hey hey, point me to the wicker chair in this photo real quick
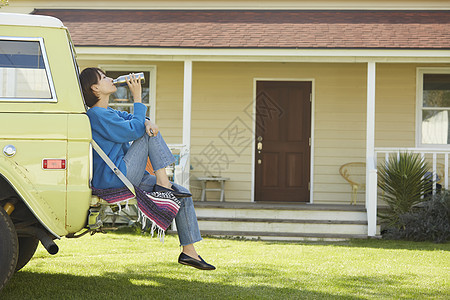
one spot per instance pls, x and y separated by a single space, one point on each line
355 174
440 173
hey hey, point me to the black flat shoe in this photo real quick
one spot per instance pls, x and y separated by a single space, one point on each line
176 192
192 262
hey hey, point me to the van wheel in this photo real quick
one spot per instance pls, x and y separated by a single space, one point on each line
27 248
9 248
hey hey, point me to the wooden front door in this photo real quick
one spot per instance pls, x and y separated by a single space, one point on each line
283 131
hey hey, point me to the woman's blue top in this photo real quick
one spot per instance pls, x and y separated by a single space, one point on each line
113 131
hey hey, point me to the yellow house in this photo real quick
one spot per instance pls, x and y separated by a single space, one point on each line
276 96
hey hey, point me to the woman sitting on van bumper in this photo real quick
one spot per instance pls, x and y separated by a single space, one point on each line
113 131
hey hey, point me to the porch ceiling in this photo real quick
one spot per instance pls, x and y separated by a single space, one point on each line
246 29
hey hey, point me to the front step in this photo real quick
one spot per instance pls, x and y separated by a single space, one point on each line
281 211
285 226
284 236
273 221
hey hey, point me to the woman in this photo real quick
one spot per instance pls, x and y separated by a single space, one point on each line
113 131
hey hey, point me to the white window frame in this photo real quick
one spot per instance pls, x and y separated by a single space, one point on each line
53 98
419 102
151 83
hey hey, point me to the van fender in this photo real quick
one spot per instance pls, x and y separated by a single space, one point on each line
16 176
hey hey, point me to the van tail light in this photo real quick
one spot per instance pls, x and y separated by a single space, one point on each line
54 164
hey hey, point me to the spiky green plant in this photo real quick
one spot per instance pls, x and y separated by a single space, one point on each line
405 181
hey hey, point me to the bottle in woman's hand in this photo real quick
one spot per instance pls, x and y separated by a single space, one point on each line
134 84
122 80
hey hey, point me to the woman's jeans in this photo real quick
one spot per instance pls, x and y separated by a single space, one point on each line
160 156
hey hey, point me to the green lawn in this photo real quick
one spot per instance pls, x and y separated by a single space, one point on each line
127 266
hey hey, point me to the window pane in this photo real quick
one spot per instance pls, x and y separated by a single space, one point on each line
123 94
436 90
435 127
22 71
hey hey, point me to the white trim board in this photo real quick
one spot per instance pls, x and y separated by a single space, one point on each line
420 71
26 6
264 55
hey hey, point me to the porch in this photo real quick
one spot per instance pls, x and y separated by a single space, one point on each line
307 221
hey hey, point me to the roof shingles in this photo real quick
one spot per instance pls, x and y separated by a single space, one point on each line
257 29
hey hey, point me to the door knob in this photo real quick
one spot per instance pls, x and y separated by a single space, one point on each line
259 146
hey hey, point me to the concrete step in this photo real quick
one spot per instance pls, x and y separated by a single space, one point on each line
264 220
286 225
282 214
278 221
303 212
284 236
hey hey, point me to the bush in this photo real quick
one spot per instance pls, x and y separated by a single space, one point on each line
429 221
405 183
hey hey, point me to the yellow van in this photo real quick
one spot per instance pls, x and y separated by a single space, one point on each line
45 140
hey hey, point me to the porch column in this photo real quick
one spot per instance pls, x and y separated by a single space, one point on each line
187 106
371 171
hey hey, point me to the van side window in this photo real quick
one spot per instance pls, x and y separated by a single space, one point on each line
23 73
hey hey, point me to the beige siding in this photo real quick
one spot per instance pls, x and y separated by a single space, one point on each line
223 93
395 105
169 100
340 120
222 101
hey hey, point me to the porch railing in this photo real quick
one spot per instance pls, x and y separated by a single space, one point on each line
437 158
181 170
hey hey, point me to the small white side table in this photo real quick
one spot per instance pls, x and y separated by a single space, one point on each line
221 180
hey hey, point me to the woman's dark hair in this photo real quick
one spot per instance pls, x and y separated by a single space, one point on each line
88 77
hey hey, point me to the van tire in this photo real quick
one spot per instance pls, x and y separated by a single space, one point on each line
9 248
27 248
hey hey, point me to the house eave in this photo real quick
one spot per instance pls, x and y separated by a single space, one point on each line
265 55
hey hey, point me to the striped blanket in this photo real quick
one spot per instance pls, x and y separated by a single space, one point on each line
158 207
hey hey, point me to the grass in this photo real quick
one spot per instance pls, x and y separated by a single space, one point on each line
127 266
